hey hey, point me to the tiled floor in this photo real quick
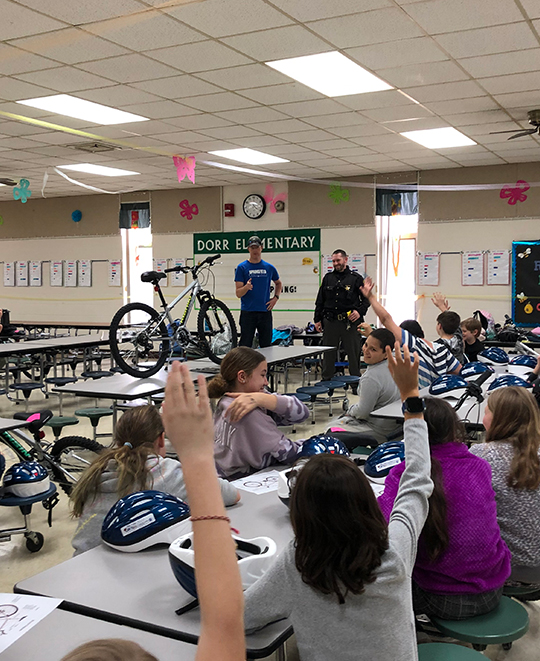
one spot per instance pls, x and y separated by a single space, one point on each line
17 563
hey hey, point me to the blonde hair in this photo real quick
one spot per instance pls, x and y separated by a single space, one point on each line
140 427
237 360
516 419
472 324
109 649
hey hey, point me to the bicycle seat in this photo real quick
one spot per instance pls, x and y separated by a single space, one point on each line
37 419
151 276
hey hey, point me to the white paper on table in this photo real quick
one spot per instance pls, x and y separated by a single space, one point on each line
258 483
35 274
70 273
357 263
178 279
160 265
327 265
498 267
115 273
472 268
9 274
19 613
429 268
85 272
22 274
57 270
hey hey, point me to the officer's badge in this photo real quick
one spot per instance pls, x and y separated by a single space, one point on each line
347 287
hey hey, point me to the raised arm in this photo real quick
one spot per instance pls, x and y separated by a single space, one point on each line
189 427
440 301
385 317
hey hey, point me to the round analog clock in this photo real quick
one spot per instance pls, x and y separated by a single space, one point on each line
254 206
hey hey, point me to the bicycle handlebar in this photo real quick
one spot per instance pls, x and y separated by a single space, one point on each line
193 269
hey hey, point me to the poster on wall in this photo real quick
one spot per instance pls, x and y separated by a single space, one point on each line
357 263
70 273
115 273
472 268
160 265
429 268
35 274
85 272
178 279
9 274
526 282
22 274
57 272
498 267
327 265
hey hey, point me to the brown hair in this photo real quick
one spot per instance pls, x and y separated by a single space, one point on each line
241 358
450 321
140 427
384 337
516 419
341 533
472 324
109 649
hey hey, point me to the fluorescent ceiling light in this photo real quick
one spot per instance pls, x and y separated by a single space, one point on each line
251 156
439 138
98 169
332 74
71 106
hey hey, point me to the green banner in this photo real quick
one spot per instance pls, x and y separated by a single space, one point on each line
272 240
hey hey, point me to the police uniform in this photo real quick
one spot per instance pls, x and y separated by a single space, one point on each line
339 294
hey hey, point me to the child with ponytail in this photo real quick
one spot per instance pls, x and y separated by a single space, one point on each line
137 462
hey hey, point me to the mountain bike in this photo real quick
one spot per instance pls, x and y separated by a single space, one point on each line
142 339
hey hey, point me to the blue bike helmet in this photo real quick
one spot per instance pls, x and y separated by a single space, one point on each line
522 365
449 385
470 370
26 479
322 444
254 557
509 380
383 458
493 356
145 518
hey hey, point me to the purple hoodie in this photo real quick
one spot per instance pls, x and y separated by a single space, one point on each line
477 559
255 442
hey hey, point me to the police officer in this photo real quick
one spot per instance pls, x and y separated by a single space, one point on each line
339 308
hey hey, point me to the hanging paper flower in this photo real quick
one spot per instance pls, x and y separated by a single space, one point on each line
188 210
76 216
185 167
22 192
515 193
338 194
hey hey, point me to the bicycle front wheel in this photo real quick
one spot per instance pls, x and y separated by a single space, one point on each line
139 341
216 329
73 455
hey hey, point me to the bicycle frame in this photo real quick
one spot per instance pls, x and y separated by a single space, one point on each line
193 289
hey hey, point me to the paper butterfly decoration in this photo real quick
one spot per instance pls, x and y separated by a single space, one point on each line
22 192
185 167
188 210
338 194
271 200
525 254
515 194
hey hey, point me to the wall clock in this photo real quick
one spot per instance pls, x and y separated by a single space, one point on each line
254 206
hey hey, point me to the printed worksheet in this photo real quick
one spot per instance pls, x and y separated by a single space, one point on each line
472 268
498 267
258 483
19 613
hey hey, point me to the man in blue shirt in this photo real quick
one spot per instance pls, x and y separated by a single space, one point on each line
253 278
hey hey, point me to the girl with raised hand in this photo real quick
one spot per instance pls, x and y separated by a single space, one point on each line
512 423
137 462
246 419
344 581
462 562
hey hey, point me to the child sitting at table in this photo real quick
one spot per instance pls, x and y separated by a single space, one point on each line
512 423
246 419
137 462
471 329
344 581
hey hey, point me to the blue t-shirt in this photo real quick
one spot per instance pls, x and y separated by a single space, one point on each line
262 275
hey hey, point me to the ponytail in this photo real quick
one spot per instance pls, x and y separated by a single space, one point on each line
217 387
237 360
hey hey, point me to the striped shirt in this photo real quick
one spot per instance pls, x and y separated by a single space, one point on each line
435 360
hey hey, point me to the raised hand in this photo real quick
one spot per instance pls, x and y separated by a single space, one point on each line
440 301
364 329
403 370
368 287
249 285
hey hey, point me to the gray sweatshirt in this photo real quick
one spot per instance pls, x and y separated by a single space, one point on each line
164 475
377 625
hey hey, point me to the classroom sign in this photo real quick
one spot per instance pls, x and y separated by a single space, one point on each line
272 240
526 282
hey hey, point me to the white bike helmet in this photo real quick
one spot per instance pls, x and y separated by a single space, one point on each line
522 365
449 385
26 479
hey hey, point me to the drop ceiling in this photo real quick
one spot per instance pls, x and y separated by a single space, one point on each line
196 69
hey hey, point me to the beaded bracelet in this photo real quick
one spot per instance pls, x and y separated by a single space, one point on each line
215 517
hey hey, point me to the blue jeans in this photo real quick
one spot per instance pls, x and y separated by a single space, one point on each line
255 321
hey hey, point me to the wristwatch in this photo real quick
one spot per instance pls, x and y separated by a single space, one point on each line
276 296
413 405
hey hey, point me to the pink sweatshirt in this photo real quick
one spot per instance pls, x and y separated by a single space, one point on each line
255 442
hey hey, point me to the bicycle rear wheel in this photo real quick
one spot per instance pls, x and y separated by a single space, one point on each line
73 454
139 341
216 329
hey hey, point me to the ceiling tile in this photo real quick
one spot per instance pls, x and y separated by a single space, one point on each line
332 143
445 108
386 99
358 131
160 110
129 68
14 61
79 13
253 115
423 74
65 79
336 120
198 122
177 87
518 99
464 119
281 93
244 77
513 83
532 8
231 132
413 111
69 46
117 96
406 51
309 108
260 141
201 56
15 90
372 27
217 102
19 21
499 39
220 18
415 124
502 63
301 137
282 126
460 90
316 9
278 43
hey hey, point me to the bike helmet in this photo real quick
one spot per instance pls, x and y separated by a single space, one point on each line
382 459
522 365
493 356
508 380
470 370
449 385
26 479
322 444
254 557
287 480
145 518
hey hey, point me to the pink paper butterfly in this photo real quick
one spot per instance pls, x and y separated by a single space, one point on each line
185 167
271 200
188 210
517 193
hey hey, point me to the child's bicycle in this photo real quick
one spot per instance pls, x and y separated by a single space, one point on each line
142 339
64 459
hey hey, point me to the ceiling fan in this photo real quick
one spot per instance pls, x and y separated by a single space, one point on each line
534 120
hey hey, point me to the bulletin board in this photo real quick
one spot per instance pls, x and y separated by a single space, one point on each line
526 282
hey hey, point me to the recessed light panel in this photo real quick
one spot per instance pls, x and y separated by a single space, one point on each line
102 170
251 156
331 74
439 138
71 106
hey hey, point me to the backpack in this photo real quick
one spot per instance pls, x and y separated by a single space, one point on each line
488 323
282 338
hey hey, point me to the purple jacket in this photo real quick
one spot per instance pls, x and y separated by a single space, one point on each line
476 560
255 442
